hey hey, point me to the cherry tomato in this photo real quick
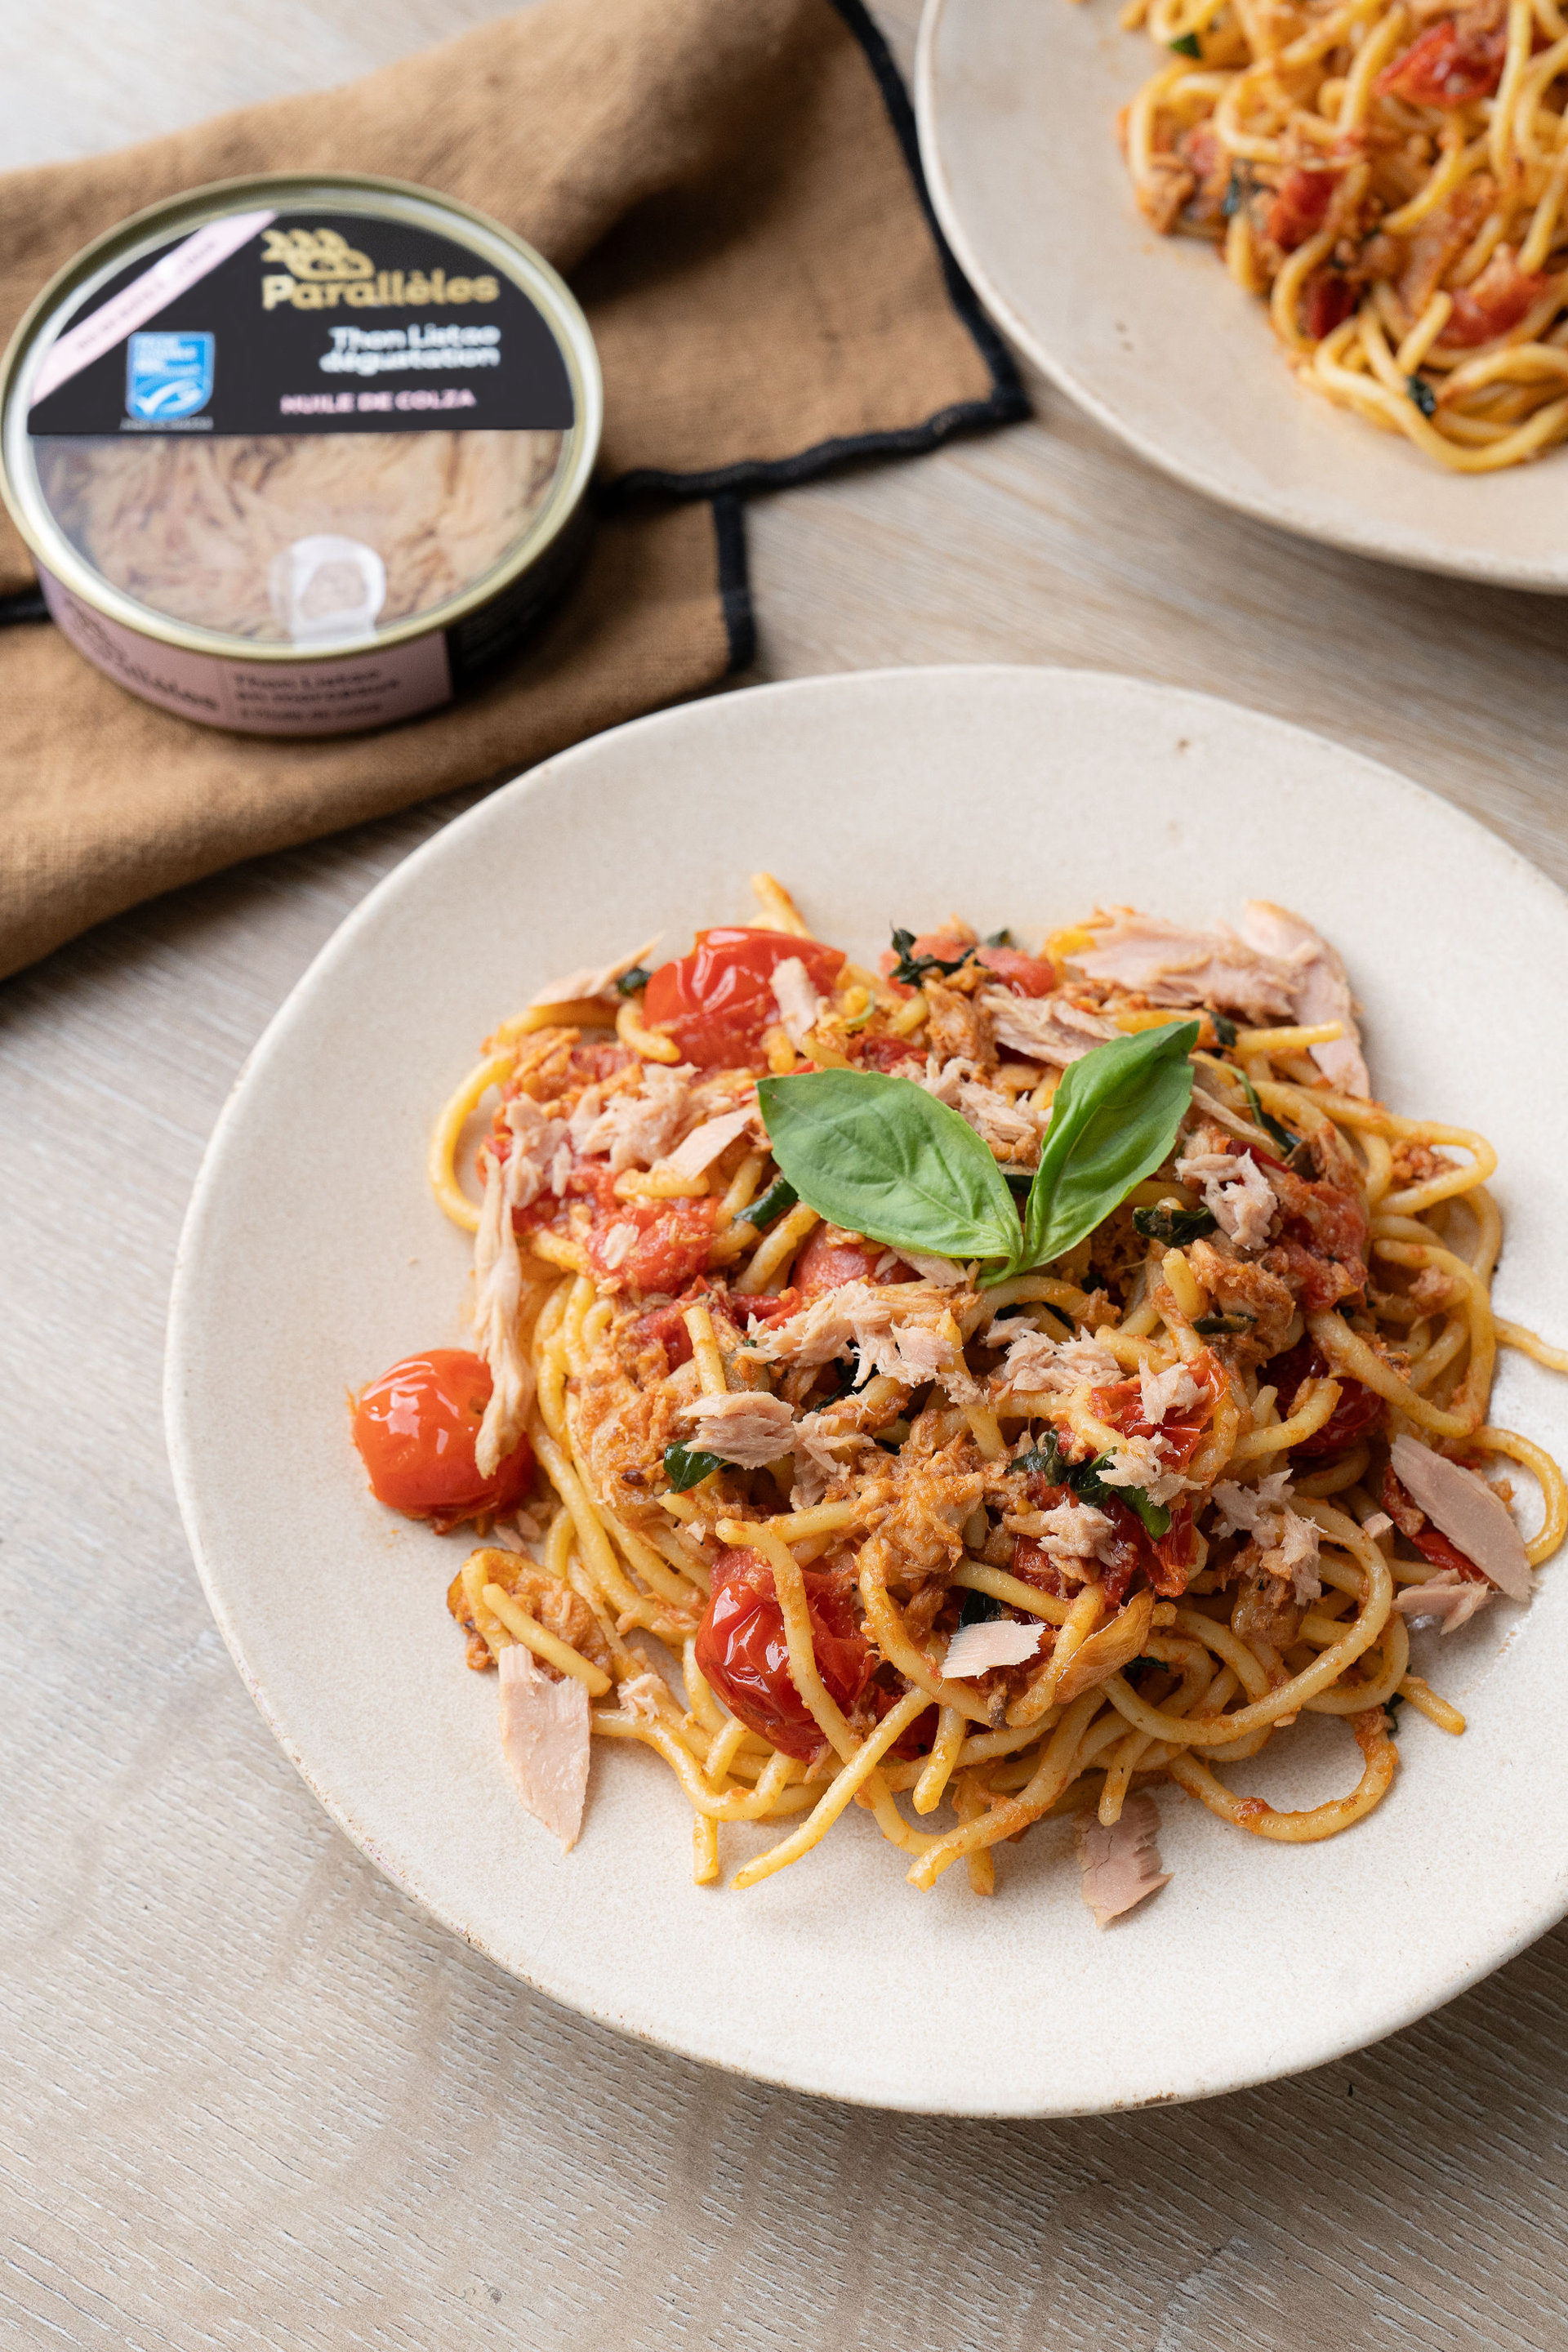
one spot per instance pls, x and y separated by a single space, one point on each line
1297 212
744 1655
415 1429
1494 302
1121 1407
1026 975
1329 300
716 1002
830 1259
1359 1410
671 1242
1448 65
888 1055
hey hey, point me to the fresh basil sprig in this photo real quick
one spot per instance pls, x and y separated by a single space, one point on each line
688 1466
883 1158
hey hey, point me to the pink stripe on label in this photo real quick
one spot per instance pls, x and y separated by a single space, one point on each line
172 273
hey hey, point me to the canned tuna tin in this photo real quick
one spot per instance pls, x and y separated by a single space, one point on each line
300 455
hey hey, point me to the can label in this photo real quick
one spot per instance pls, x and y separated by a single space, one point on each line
337 697
304 321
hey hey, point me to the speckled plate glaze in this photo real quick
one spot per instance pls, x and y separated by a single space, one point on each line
1017 101
313 1257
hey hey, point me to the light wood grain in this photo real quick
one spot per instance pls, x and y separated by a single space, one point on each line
250 2098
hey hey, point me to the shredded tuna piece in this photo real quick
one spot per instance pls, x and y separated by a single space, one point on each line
1446 1595
1136 1463
1036 1362
945 1272
1049 1029
748 1426
1211 1106
1286 1543
635 1128
1235 1192
1377 1526
1071 1531
1472 1515
992 1642
819 1449
1172 965
1320 989
642 1696
705 1143
902 1330
619 1245
509 1184
1172 1390
592 979
545 1738
1121 1864
996 1121
800 1007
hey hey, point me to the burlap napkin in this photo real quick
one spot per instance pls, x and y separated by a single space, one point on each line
732 189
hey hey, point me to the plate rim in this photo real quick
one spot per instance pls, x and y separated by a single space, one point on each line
1473 564
821 2082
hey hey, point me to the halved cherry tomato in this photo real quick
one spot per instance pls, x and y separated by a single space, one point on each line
1447 65
1494 302
744 1655
1329 302
716 1002
1297 209
1359 1410
831 1259
415 1429
1121 1406
670 1243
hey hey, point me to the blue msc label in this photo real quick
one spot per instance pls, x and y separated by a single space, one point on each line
168 376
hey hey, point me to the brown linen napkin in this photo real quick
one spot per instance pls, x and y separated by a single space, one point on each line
733 188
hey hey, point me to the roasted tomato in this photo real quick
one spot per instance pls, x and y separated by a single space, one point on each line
1121 1407
890 1054
742 1652
415 1429
1297 209
1359 1410
1451 63
670 1242
716 1002
832 1257
1494 302
1329 300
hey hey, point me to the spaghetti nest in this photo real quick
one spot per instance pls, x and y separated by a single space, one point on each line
1020 1536
1392 176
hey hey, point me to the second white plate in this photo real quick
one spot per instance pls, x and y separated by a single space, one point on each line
1018 102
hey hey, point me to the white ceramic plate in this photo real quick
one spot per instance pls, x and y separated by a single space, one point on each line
314 1256
1017 101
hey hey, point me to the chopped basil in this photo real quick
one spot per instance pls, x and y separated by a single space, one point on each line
1045 1459
780 1195
1281 1135
912 968
632 982
686 1465
1001 939
1187 45
1223 1027
1389 1705
1212 1326
1018 1181
1422 394
1173 1225
979 1608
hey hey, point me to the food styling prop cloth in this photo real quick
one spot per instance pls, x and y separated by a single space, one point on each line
733 188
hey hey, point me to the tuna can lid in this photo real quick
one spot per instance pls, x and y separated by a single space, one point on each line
295 416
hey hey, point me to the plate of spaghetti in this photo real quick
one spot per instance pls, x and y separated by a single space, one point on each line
1311 259
874 1404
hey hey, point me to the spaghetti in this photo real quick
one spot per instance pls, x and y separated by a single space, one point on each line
1019 1528
1391 174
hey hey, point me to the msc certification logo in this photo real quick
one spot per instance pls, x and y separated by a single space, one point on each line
168 376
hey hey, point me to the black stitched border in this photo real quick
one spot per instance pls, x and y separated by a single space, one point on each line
23 605
1007 400
734 582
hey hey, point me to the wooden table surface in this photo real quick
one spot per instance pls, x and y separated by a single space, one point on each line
251 2097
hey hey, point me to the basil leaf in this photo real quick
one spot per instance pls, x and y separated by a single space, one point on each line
1223 1028
1173 1226
1156 1518
780 1195
1212 1326
978 1609
883 1158
686 1465
1114 1119
1045 1459
1001 939
1281 1135
912 968
632 982
1187 45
